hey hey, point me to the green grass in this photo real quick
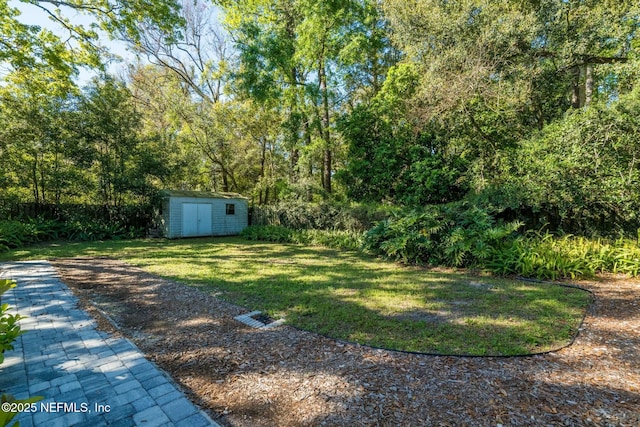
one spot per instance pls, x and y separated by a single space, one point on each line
355 297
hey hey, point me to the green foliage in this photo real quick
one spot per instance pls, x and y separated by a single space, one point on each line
268 233
16 234
544 256
336 239
99 230
111 147
467 235
9 328
531 108
390 157
298 215
579 175
81 148
456 234
311 60
51 58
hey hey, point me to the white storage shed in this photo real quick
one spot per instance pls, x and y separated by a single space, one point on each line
203 213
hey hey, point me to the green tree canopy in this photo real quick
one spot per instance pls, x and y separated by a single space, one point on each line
59 54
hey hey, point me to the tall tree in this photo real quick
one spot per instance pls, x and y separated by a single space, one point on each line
229 145
268 69
34 136
501 70
111 147
307 57
198 54
502 50
160 97
197 57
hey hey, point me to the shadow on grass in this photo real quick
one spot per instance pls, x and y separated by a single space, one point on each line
237 357
450 397
354 297
351 296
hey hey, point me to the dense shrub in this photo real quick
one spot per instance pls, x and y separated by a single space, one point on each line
549 257
268 233
578 176
337 239
15 234
461 234
128 216
456 234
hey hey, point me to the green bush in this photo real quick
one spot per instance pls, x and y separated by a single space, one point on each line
15 234
467 235
336 239
549 257
455 234
268 233
577 176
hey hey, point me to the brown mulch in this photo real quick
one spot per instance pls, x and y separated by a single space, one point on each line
287 377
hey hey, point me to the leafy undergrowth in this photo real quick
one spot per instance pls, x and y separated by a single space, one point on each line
17 234
352 296
461 235
476 242
547 257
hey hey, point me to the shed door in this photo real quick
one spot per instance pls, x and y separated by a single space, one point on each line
196 219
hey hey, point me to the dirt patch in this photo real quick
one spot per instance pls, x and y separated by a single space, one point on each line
286 377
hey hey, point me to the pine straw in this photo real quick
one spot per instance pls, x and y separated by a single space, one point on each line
287 377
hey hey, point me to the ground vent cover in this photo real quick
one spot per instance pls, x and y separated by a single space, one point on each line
257 320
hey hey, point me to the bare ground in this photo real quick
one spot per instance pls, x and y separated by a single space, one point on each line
287 377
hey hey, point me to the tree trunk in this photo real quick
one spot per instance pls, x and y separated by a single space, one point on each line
263 159
295 158
327 159
225 180
588 85
576 95
307 136
326 135
291 24
43 180
34 176
56 170
582 86
214 177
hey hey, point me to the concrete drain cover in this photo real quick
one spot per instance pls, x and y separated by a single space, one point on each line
257 320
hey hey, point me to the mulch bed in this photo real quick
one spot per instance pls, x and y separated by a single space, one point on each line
287 377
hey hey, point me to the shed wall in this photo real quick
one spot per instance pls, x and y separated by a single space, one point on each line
221 223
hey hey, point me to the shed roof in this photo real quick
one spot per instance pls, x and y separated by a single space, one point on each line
201 194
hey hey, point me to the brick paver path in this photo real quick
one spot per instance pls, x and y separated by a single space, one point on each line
86 377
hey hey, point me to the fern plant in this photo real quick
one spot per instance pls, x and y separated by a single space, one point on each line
456 234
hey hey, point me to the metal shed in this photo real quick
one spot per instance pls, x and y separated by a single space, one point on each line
203 213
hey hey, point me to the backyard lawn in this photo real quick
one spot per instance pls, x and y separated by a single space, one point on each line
354 297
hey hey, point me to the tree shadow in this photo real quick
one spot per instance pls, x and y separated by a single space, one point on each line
271 377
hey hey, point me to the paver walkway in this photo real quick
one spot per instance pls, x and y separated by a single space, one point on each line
86 377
